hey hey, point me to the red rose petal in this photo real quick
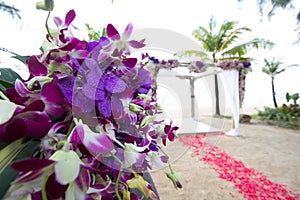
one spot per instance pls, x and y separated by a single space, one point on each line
250 183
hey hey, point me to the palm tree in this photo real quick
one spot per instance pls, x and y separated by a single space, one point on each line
222 44
272 68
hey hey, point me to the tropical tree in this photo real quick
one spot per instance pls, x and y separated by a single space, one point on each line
273 5
10 9
273 68
223 44
270 6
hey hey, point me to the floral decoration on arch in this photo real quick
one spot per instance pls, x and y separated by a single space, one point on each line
243 67
86 117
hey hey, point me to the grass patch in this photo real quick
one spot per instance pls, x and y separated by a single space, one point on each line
222 116
284 116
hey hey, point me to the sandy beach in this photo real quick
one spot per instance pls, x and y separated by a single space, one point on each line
270 152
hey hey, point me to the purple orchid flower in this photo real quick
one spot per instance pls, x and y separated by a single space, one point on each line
170 133
94 142
35 67
63 172
89 92
247 64
199 64
93 108
119 43
29 121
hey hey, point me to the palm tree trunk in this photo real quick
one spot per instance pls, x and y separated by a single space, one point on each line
273 93
217 95
216 88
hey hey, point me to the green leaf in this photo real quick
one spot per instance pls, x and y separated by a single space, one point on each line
3 144
8 153
16 150
20 58
2 88
7 78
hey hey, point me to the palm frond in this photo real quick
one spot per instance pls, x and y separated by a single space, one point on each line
202 55
231 37
236 58
242 49
205 37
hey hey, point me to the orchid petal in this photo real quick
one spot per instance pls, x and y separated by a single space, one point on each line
57 21
55 110
37 105
35 176
54 129
92 92
31 164
70 193
38 123
129 62
74 137
128 30
132 153
21 89
83 180
103 56
112 32
35 67
93 76
50 93
67 166
80 54
104 107
103 41
136 44
13 95
92 64
12 130
85 104
156 159
7 110
95 142
47 47
70 17
54 189
114 84
66 87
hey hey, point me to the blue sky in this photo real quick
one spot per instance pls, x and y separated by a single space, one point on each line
24 36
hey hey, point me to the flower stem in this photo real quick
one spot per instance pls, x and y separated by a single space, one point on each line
122 164
117 184
72 125
169 164
44 194
118 142
47 27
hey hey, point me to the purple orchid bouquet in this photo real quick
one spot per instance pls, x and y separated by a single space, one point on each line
84 124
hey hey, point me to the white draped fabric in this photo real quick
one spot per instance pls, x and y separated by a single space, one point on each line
231 80
184 88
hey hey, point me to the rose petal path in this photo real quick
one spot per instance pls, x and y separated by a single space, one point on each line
250 183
